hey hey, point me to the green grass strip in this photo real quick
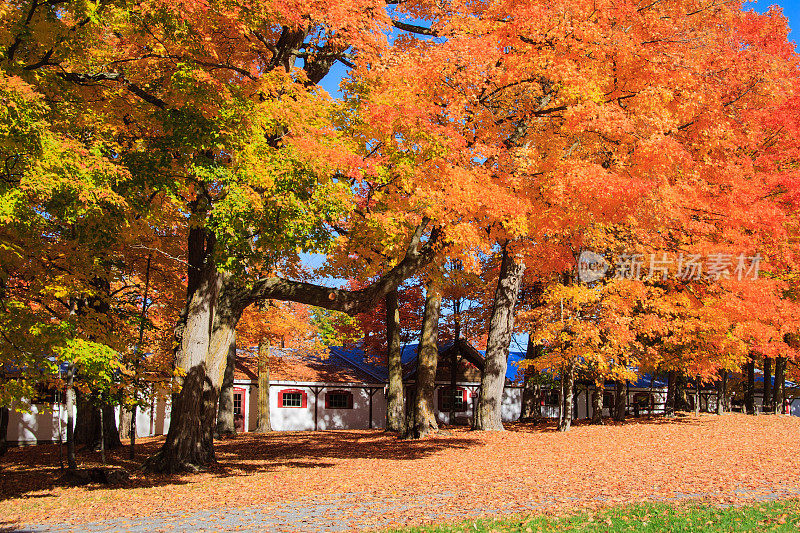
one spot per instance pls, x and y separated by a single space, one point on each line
781 515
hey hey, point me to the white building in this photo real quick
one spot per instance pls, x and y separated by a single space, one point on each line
347 390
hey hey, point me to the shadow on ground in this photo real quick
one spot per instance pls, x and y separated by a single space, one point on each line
33 472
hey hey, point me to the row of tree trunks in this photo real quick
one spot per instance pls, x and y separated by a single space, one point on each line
423 420
395 395
264 424
501 325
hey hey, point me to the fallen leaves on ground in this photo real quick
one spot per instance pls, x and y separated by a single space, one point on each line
724 459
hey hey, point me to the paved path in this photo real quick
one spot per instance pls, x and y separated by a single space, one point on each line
350 511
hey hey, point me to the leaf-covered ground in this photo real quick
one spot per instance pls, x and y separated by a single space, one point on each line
368 479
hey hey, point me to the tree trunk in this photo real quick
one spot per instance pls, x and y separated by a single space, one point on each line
132 434
749 388
395 409
205 334
671 382
766 405
501 323
697 386
71 463
531 407
94 431
780 380
597 401
424 420
264 423
620 401
568 377
125 420
226 425
682 402
4 414
721 391
102 435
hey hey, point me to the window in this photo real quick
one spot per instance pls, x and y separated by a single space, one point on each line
446 396
237 404
608 400
338 399
643 400
551 396
292 398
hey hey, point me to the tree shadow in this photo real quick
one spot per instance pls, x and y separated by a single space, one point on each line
550 425
34 472
250 453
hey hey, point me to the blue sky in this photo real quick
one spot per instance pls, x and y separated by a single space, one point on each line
791 10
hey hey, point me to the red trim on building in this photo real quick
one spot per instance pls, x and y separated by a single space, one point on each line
346 393
240 426
463 399
303 398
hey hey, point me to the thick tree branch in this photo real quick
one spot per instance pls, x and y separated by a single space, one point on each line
418 254
413 28
87 79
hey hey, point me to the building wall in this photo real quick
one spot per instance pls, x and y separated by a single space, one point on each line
44 423
303 418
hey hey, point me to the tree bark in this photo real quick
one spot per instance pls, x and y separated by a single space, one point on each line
71 407
568 377
395 408
682 402
697 385
597 401
226 425
780 380
4 414
94 431
205 334
125 419
424 420
620 401
671 382
531 407
264 422
501 324
749 388
721 391
766 405
102 435
214 304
